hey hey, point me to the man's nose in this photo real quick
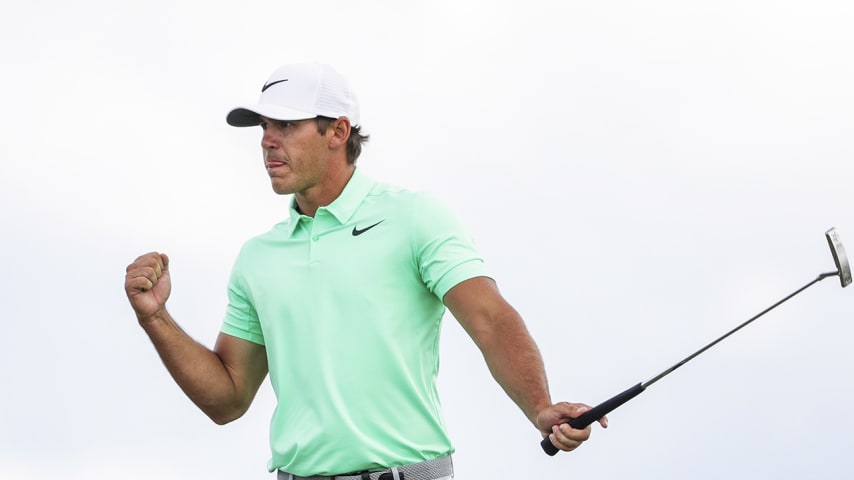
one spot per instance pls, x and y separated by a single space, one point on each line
268 140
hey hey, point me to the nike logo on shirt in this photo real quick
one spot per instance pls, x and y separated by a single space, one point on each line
357 232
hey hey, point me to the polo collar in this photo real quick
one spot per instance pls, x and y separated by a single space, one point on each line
343 207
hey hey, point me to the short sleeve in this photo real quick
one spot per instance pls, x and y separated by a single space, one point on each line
241 318
445 250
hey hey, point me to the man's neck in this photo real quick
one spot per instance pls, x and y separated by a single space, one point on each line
310 201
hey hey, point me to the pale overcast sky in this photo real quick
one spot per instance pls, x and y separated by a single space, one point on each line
640 176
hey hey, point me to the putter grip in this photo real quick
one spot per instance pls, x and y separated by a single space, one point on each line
595 413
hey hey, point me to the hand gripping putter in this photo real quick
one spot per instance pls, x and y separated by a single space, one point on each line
843 270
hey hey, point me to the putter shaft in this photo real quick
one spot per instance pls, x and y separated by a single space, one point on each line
599 411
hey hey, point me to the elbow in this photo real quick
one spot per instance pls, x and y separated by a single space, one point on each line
222 418
223 414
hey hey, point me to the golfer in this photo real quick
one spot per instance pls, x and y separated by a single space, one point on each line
342 302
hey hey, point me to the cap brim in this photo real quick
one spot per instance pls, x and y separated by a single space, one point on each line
250 116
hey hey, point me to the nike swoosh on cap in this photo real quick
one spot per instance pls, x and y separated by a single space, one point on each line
357 232
268 85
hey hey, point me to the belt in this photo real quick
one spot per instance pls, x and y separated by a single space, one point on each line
437 469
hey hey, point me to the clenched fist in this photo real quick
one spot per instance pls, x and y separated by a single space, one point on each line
148 285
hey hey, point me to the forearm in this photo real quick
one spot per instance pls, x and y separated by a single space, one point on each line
516 364
198 370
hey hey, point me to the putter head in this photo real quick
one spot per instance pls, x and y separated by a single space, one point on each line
839 257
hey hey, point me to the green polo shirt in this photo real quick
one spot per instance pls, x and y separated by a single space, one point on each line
348 305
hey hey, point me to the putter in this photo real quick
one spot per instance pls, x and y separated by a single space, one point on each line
843 270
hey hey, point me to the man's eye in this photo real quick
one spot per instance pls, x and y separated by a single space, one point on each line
284 124
263 125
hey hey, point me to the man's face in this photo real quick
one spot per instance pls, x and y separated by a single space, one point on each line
296 155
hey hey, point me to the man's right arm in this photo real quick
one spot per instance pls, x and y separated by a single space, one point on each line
222 382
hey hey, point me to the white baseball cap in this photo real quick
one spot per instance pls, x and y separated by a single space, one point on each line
299 91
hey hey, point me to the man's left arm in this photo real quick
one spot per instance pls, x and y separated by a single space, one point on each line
514 359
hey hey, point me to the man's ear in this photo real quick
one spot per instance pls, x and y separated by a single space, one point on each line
340 130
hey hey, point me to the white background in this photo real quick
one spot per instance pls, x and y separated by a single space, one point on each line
641 177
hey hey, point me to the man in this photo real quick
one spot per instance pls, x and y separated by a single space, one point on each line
342 303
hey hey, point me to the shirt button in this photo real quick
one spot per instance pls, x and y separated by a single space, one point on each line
315 238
